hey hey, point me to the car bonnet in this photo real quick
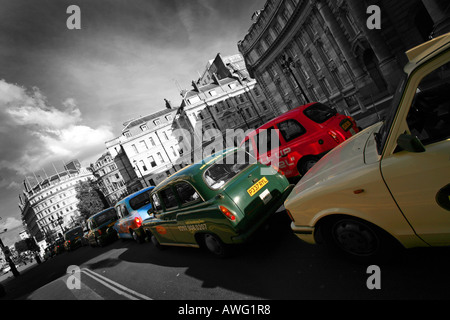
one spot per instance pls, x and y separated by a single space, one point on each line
345 157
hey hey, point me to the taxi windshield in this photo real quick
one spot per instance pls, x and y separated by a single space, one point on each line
140 200
105 217
227 167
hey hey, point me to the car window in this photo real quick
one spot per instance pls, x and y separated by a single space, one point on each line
140 200
429 116
122 210
267 140
73 233
291 129
156 202
186 193
105 217
319 113
168 198
224 170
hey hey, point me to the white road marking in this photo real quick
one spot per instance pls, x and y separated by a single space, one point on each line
116 287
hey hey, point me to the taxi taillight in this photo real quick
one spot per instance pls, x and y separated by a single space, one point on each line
334 136
227 213
138 221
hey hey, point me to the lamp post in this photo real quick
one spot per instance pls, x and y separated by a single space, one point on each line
286 64
60 222
139 169
7 254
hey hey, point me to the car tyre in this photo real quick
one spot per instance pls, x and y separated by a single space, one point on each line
359 240
136 236
155 242
214 245
98 242
306 163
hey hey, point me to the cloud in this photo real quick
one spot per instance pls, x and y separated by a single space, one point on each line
10 223
33 134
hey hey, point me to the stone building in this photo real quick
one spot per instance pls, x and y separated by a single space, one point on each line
148 148
318 50
223 98
49 208
109 178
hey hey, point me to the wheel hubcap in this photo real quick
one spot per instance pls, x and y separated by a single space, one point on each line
213 244
355 238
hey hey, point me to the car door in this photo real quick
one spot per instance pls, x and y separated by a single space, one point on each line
420 181
166 222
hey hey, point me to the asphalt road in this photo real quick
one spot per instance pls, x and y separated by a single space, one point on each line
275 265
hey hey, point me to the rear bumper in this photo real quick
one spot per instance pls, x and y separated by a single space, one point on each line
243 237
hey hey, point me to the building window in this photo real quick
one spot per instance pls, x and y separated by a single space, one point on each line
127 134
152 141
157 122
144 127
134 148
160 157
143 165
314 62
169 118
144 145
152 161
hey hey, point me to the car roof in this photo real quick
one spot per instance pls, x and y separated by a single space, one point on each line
287 115
194 172
421 53
99 213
135 194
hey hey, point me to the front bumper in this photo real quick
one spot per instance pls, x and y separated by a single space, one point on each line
305 233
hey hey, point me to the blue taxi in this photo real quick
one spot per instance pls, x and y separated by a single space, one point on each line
132 210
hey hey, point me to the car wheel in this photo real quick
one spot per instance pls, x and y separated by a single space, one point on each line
136 237
306 164
98 242
155 242
358 239
215 245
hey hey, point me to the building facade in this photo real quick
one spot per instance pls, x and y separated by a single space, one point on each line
150 146
318 50
52 204
223 98
109 178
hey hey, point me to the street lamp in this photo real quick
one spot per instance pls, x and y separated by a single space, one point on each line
60 222
7 254
287 64
139 169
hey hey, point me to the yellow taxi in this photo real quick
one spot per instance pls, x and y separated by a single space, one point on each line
389 185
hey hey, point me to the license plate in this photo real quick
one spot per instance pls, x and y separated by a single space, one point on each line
257 186
346 125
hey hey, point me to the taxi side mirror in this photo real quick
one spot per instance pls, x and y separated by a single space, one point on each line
410 143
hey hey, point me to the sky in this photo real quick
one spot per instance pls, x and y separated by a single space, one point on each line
65 92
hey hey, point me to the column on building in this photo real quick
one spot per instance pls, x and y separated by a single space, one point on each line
387 62
439 12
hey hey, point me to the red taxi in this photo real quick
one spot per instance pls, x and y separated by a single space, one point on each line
297 139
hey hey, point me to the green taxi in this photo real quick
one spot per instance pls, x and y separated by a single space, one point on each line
101 229
219 201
